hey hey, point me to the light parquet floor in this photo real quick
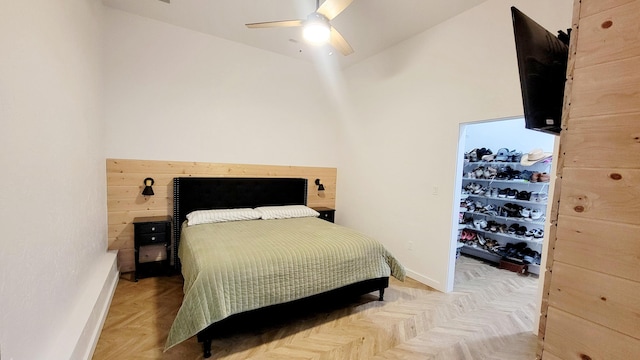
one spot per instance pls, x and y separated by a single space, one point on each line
490 315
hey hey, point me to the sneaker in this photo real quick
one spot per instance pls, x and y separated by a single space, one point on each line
524 195
536 214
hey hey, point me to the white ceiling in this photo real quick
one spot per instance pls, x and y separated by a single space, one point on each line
370 26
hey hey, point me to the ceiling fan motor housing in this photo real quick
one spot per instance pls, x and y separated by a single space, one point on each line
317 29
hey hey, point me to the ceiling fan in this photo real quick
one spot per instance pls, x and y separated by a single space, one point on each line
317 28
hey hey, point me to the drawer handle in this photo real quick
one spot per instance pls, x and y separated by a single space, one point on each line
153 238
153 229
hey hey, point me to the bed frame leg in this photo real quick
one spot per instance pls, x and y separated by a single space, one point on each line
381 298
206 348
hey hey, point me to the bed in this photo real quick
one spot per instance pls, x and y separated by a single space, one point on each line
283 255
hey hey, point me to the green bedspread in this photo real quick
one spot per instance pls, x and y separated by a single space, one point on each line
237 266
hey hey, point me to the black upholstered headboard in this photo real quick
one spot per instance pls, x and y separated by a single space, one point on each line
192 193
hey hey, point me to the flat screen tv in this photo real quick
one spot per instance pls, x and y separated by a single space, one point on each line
542 65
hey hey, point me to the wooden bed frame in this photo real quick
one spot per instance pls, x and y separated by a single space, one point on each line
191 193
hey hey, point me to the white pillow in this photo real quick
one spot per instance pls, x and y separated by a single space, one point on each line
286 212
221 215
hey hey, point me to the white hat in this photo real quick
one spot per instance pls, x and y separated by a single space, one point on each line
534 156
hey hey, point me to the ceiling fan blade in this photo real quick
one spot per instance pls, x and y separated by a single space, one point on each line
332 8
271 24
339 43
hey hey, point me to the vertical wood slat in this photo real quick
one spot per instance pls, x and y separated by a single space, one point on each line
606 300
598 245
572 337
615 145
125 200
592 7
606 89
609 35
607 194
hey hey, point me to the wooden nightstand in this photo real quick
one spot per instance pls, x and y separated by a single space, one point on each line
154 231
326 213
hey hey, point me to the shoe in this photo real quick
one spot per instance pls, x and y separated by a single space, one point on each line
524 195
472 155
526 175
528 235
500 250
512 194
511 210
502 155
515 156
534 177
480 153
528 256
488 157
537 258
489 207
536 214
544 177
480 191
481 239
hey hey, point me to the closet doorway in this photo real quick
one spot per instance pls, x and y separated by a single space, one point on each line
504 187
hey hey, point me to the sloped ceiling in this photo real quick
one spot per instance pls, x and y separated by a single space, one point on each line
370 26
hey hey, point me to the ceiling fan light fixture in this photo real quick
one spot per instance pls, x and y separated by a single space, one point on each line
316 30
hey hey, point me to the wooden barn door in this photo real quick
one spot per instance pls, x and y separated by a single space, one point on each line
591 304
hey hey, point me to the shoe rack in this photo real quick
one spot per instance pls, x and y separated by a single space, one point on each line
502 210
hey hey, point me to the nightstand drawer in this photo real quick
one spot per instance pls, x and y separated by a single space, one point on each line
151 238
151 228
328 216
152 253
326 213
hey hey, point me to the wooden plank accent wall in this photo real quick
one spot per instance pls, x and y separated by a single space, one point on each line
125 184
592 286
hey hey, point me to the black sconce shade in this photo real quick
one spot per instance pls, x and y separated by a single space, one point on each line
148 190
320 186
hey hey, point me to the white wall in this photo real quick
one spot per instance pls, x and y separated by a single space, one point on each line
176 94
506 133
52 188
399 136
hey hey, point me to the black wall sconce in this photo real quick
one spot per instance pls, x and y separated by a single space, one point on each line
148 190
320 186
